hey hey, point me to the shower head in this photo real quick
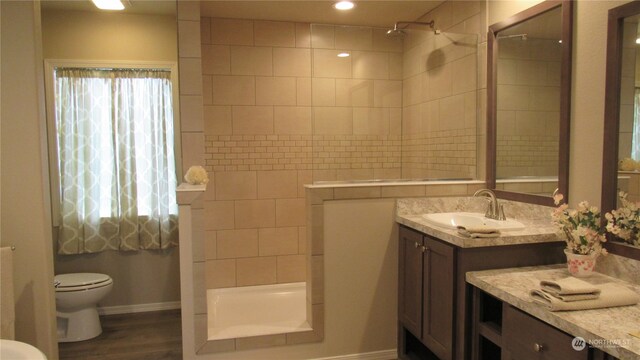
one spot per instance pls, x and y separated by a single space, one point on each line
395 32
399 33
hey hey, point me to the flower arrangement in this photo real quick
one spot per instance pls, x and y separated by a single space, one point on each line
625 221
196 175
581 227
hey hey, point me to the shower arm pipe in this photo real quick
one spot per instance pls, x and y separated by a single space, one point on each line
522 36
431 24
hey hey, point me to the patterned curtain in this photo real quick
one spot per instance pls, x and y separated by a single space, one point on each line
116 161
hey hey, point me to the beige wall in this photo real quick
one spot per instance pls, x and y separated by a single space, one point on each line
498 11
143 277
587 100
108 36
26 219
440 94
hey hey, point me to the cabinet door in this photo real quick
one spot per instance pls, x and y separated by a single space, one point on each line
438 284
410 280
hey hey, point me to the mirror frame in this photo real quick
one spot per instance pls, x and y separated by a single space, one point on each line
611 121
565 99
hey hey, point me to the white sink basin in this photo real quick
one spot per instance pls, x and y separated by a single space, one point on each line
471 220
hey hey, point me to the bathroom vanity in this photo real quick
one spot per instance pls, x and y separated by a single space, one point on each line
434 304
507 325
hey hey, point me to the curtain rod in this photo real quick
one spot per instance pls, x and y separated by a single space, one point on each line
111 68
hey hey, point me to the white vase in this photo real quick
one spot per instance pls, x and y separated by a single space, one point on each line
580 265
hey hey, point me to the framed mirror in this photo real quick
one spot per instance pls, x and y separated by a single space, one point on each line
528 103
622 115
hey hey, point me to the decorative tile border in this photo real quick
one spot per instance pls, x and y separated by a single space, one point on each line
301 152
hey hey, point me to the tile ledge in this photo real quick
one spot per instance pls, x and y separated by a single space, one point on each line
527 180
392 183
186 187
186 194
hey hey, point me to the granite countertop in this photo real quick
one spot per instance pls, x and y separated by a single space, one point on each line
607 329
536 218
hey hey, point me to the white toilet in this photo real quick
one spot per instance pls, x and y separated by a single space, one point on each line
76 298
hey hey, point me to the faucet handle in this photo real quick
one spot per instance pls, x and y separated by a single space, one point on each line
501 215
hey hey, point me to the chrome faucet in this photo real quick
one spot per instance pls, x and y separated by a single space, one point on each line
494 210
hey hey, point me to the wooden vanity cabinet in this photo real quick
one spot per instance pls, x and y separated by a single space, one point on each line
410 281
503 332
426 290
525 337
434 301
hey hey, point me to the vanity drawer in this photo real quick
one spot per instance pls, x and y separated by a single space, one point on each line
526 337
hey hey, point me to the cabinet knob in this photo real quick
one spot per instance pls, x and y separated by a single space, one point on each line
416 244
537 347
424 248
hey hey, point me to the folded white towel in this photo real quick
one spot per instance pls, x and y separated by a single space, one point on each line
478 232
576 297
611 295
568 286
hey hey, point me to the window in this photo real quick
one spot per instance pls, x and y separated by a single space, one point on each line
115 159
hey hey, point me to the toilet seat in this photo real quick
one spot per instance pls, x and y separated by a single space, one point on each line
81 281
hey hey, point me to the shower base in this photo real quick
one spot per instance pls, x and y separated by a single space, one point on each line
256 310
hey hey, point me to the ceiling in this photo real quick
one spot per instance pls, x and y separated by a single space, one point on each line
366 13
544 26
157 7
375 13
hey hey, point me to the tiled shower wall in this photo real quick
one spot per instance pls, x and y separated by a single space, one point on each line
257 111
356 102
440 94
528 107
439 132
282 110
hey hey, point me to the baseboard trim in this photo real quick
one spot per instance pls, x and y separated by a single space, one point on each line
375 355
138 308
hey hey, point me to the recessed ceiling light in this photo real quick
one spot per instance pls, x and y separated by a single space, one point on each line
343 54
108 4
344 5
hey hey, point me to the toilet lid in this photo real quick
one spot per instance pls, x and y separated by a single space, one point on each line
80 279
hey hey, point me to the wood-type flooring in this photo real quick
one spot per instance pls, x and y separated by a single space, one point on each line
139 336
